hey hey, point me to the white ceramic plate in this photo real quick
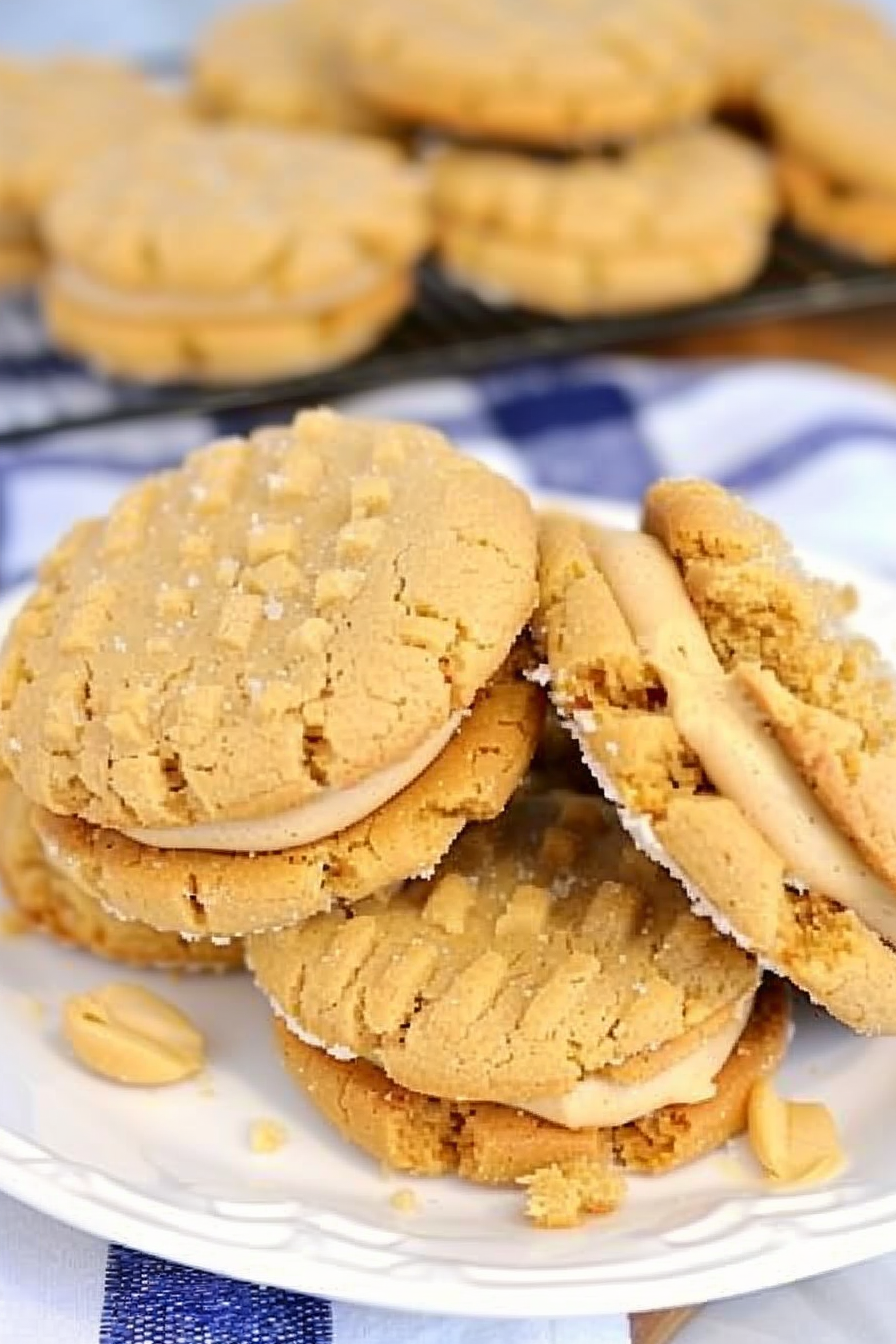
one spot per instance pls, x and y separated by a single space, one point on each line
170 1172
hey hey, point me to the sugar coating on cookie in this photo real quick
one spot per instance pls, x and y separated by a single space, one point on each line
272 63
568 1173
741 730
50 901
678 218
544 949
537 72
211 651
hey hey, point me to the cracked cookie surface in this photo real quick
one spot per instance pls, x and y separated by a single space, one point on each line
54 904
204 893
544 949
494 1144
672 220
215 210
280 616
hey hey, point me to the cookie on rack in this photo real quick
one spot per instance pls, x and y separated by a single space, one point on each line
273 63
541 73
287 672
54 116
224 253
678 219
756 37
52 903
833 113
746 735
546 999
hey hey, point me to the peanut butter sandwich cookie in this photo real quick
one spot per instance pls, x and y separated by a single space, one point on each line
745 734
537 72
286 672
756 37
678 219
273 63
221 253
54 116
833 112
545 1007
52 903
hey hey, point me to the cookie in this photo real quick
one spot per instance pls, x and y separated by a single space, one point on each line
570 1172
273 63
757 36
744 733
54 116
204 893
852 219
541 73
834 106
678 219
220 253
544 955
257 652
55 905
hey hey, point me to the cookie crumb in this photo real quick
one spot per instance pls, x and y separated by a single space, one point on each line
563 1196
404 1201
267 1136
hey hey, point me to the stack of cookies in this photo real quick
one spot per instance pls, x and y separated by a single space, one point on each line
288 694
190 700
600 193
225 253
578 158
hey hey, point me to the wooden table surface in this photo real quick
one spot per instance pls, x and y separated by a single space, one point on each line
862 342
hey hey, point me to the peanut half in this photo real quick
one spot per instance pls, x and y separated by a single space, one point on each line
796 1141
129 1034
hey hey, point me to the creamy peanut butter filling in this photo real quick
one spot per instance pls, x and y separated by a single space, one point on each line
330 811
600 1102
78 285
725 730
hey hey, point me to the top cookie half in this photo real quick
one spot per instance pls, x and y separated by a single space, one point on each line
534 71
281 615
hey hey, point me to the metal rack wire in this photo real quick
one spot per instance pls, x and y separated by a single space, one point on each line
448 331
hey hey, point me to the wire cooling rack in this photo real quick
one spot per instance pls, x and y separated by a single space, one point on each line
448 331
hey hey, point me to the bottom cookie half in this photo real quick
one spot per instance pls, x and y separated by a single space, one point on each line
848 218
570 1172
251 345
52 903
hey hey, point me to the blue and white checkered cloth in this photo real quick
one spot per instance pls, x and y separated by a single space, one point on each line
813 449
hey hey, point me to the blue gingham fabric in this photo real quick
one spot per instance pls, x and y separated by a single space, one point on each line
814 449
